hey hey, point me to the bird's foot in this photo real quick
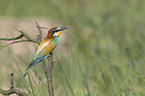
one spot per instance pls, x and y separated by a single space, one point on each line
50 54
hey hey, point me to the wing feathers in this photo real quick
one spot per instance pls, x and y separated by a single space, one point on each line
42 45
43 51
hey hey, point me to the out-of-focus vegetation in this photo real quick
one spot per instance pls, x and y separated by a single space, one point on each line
103 53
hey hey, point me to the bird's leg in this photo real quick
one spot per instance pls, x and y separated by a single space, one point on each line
51 54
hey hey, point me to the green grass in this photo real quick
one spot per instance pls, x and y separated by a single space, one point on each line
104 48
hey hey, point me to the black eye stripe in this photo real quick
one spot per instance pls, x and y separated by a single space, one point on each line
56 30
53 31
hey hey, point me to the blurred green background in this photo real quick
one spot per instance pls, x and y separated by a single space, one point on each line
101 54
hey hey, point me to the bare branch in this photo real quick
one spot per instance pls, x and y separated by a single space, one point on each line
49 76
20 42
12 90
25 35
9 39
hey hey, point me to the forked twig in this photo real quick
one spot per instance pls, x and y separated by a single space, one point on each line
23 34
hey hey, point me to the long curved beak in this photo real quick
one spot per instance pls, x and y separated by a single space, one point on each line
62 28
59 31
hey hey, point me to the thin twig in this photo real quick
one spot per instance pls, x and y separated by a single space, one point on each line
12 90
9 39
40 32
27 36
20 42
43 68
12 35
23 34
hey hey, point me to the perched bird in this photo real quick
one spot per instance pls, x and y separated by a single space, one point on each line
46 47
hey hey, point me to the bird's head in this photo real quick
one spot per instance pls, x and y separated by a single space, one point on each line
56 31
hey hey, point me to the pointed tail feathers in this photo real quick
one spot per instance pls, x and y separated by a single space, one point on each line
27 70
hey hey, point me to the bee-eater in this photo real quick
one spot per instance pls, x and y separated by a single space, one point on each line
46 47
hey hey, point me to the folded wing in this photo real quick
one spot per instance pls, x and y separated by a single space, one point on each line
43 51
